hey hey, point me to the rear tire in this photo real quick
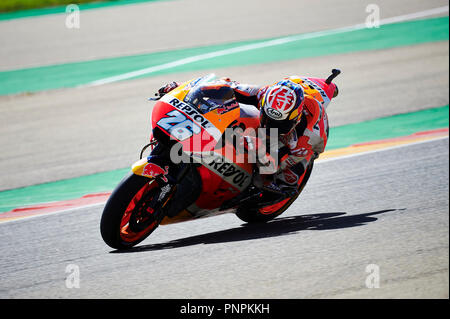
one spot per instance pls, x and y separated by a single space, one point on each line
263 215
115 230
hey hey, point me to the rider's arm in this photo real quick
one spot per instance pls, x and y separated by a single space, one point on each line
246 99
313 111
245 93
309 137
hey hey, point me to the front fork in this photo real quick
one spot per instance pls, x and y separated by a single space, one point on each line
157 166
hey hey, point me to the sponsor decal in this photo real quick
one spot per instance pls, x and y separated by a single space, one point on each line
274 114
228 106
290 177
317 87
153 170
194 114
230 172
300 152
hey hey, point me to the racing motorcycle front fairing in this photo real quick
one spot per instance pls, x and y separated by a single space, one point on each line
195 131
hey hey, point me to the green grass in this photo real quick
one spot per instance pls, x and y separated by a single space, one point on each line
17 5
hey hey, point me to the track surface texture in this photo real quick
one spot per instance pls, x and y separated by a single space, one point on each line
388 208
160 26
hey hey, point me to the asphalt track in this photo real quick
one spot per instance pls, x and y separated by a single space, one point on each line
69 133
159 26
388 208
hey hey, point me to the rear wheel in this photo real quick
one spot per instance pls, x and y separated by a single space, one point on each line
267 213
130 213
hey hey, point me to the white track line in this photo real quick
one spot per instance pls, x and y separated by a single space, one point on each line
318 162
265 44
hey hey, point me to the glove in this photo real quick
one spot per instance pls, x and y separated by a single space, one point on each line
167 88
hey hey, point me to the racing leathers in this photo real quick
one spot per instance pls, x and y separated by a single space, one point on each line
298 148
304 143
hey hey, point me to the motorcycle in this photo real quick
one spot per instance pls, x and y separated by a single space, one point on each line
194 170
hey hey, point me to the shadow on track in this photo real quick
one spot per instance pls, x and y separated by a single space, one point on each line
276 227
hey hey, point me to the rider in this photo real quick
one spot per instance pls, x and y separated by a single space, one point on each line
300 118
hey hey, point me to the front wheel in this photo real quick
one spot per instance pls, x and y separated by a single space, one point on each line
130 213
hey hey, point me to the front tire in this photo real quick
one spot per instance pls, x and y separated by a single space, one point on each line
127 216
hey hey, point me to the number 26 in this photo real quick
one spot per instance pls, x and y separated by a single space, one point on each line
178 125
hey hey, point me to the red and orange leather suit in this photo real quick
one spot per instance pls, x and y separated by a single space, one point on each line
303 143
309 137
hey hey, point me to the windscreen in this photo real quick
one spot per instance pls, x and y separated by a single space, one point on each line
212 96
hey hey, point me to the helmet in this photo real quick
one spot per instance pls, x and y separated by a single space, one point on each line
281 106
